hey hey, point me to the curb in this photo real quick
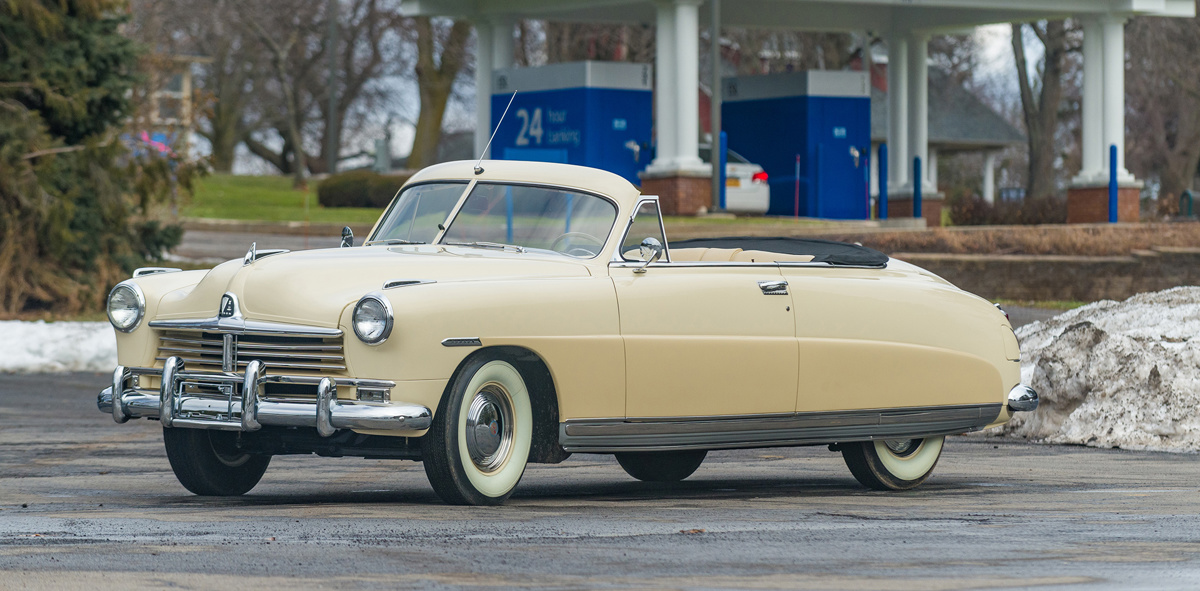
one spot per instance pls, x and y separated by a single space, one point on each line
268 227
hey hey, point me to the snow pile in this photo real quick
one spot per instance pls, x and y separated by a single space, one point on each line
1116 374
29 347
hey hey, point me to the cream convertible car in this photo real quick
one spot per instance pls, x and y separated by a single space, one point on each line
515 312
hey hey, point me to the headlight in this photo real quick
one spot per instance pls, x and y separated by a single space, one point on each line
372 319
126 306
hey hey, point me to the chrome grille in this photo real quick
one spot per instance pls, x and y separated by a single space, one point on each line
218 351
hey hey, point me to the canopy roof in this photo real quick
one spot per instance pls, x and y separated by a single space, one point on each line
817 15
958 120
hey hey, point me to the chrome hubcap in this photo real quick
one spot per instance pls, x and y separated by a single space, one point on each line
489 428
902 447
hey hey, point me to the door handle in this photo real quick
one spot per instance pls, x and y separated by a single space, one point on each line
773 287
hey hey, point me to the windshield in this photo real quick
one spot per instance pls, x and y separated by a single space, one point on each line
415 216
575 224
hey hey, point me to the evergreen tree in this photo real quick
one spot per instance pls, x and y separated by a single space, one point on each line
77 205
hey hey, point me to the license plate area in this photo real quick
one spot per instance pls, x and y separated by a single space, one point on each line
207 401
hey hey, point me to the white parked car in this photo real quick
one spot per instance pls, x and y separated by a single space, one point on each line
746 189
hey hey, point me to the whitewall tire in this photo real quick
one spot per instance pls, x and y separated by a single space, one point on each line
892 464
476 451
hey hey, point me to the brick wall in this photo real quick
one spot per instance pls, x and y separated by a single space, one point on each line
1050 277
931 210
680 195
1089 205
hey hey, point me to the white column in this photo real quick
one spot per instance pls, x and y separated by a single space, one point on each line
483 86
502 42
1092 141
1114 93
897 138
687 84
664 88
989 177
918 108
933 169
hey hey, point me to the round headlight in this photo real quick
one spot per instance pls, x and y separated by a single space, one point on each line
126 306
372 319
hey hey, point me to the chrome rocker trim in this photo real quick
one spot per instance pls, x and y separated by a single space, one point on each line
174 407
780 430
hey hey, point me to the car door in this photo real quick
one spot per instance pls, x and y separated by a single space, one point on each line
868 341
703 339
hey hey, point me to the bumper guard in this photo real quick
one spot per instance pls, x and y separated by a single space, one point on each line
174 406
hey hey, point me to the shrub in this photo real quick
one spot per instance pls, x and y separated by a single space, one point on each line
359 188
81 202
972 210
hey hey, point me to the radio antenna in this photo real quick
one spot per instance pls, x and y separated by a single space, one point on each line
478 168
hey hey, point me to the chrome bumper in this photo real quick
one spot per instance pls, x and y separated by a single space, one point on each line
174 406
1022 398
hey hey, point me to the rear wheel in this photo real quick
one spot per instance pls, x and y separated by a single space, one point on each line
661 466
892 464
478 446
208 463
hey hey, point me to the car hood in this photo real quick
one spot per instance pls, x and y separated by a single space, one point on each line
312 287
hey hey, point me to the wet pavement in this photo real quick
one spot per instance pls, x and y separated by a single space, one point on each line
88 503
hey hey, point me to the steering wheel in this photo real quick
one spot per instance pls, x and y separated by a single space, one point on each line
577 250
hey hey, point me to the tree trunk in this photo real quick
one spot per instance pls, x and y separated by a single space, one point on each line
1042 112
435 83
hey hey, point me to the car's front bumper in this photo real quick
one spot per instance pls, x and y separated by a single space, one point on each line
234 402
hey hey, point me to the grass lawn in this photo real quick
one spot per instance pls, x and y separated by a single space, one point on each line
271 198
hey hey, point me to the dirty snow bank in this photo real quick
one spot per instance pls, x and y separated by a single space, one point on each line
1116 374
30 347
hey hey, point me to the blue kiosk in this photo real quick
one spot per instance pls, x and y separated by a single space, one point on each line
597 114
811 133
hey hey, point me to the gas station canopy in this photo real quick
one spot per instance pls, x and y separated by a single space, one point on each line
906 25
933 16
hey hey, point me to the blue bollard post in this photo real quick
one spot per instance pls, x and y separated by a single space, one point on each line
1112 184
724 162
917 187
883 181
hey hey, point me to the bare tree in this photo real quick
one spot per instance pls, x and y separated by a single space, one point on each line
1164 104
568 42
1042 100
762 51
441 55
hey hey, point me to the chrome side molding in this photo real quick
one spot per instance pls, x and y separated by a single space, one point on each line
1022 398
462 342
777 430
143 271
406 283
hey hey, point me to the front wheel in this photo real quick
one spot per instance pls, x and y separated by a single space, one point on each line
208 463
476 450
892 464
661 466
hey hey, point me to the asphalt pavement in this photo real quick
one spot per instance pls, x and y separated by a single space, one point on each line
87 503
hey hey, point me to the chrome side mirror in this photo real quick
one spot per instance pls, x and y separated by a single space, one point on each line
651 250
347 237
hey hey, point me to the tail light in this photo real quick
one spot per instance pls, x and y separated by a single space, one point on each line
759 177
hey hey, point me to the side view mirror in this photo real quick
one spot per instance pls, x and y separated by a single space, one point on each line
347 237
651 250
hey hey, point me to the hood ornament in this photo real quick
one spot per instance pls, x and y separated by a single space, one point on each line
347 237
250 254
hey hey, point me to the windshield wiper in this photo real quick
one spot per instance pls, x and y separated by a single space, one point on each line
495 245
392 241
